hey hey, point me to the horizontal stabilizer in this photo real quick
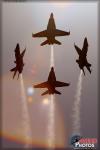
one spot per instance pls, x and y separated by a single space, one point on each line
57 92
45 42
46 92
57 42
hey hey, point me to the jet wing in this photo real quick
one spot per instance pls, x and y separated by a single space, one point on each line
61 84
85 46
22 54
61 33
41 85
46 92
77 49
40 34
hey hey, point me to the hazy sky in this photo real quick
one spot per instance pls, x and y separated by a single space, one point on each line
19 21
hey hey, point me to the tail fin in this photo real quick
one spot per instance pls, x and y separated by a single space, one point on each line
57 42
46 92
57 92
45 42
22 54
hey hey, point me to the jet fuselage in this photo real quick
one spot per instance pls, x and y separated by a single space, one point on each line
51 82
82 61
20 64
51 30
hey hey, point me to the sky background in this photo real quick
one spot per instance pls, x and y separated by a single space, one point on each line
19 21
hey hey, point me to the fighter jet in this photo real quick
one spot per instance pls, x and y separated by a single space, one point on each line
51 32
19 61
82 61
51 84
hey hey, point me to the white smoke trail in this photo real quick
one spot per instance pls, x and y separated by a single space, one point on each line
25 114
76 107
52 57
51 118
51 123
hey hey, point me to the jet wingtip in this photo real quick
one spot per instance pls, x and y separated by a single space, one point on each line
68 84
69 33
41 44
52 68
25 49
75 46
34 86
51 14
33 35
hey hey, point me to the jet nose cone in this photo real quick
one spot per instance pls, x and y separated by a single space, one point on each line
17 46
86 42
51 15
52 68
